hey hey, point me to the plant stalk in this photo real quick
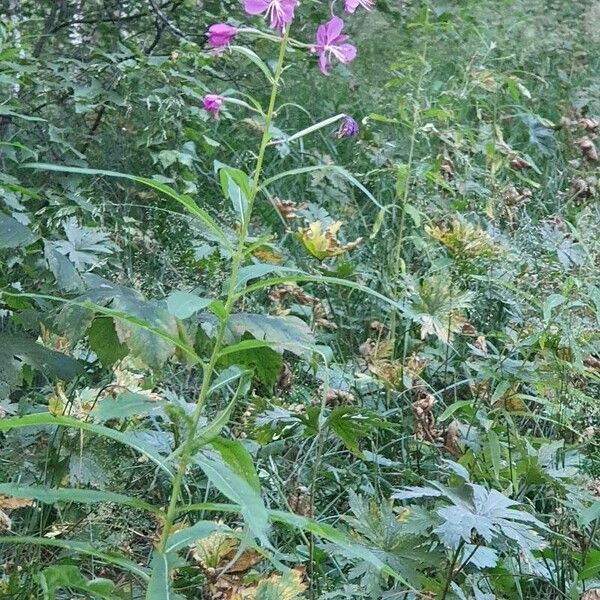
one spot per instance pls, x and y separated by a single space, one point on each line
238 256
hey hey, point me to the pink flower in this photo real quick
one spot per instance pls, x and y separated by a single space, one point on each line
351 5
220 35
329 43
212 103
279 12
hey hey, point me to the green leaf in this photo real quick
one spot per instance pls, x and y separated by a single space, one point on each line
337 169
495 452
159 586
213 429
17 350
59 577
83 496
186 537
255 271
352 424
284 333
66 275
184 304
230 469
257 356
254 58
184 200
79 548
145 326
236 186
46 419
13 234
235 455
591 513
125 406
104 341
265 283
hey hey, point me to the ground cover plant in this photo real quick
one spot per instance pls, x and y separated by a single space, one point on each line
299 300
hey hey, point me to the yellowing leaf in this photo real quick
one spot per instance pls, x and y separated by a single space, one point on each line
322 242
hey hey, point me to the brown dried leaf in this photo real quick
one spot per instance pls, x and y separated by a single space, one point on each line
519 164
5 522
588 149
11 503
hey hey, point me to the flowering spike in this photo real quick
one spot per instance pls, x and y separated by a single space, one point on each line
220 35
330 43
279 12
212 103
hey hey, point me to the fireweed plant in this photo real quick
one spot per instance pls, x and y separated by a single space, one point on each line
226 463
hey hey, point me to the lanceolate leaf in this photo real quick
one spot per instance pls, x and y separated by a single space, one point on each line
160 586
16 350
184 200
186 537
45 419
52 495
78 548
231 471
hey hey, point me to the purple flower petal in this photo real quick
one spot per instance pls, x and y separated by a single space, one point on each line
347 53
350 6
280 13
220 35
212 103
324 64
329 43
348 128
256 7
334 29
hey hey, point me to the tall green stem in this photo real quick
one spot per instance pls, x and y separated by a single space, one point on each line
237 259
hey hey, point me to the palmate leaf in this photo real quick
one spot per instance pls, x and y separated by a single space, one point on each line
84 244
17 350
352 424
475 509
